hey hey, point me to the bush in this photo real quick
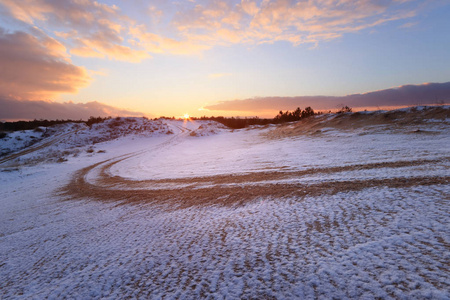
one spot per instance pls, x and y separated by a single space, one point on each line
344 109
3 135
61 160
93 120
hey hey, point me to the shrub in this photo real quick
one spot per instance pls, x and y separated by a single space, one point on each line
61 160
93 120
115 123
344 109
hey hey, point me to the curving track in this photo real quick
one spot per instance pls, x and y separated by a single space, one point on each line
97 182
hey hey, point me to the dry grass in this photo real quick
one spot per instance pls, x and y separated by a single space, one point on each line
397 121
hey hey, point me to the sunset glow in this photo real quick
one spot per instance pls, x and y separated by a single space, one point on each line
159 58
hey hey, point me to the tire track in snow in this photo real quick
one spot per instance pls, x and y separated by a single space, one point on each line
227 189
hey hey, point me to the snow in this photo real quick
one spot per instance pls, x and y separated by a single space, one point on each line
18 140
65 140
376 242
243 152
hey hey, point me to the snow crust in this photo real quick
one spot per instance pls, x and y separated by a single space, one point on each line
378 242
66 140
17 140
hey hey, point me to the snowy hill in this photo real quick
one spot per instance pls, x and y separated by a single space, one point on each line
61 141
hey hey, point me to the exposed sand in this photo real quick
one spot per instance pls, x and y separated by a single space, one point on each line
225 189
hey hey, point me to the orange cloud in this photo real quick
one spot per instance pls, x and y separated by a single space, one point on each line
298 22
36 68
159 44
104 45
89 28
94 29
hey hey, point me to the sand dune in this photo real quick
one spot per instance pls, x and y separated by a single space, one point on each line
348 206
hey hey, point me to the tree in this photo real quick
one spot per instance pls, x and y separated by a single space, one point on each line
308 112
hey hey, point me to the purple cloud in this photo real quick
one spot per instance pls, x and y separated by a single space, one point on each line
406 95
28 110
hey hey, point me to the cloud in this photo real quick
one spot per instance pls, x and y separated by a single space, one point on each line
94 29
88 28
298 22
408 25
34 67
29 110
202 25
100 45
155 43
423 94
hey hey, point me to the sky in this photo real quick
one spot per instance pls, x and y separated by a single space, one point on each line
225 57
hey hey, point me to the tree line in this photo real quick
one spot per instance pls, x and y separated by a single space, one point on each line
232 122
28 125
282 117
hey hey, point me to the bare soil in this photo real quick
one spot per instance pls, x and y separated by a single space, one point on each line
228 190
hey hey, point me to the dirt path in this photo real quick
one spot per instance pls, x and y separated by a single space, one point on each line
232 189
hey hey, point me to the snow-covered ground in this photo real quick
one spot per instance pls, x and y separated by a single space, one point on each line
17 140
207 212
